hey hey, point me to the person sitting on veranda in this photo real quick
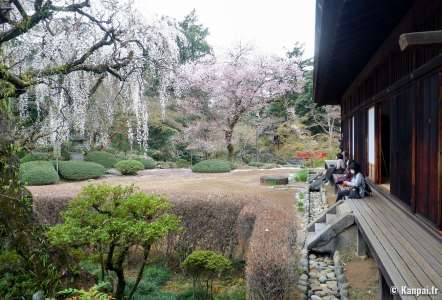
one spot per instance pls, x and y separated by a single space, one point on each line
338 169
340 164
347 176
356 185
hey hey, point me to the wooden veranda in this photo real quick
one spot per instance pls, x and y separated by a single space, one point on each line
408 255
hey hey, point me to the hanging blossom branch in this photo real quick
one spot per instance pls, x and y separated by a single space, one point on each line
42 11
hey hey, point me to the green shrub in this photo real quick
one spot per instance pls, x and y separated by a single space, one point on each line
204 266
190 294
109 220
150 285
129 167
156 154
79 170
233 293
182 163
302 175
35 156
148 162
212 166
38 173
106 159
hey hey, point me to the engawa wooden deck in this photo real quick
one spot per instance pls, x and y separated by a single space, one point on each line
406 253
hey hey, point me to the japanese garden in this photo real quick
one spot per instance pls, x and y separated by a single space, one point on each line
139 161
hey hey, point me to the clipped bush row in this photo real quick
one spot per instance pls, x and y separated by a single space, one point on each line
210 223
129 167
44 172
148 162
261 232
270 251
106 159
79 170
35 156
38 172
212 166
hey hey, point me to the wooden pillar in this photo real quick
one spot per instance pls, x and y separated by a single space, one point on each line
361 245
414 101
439 200
384 289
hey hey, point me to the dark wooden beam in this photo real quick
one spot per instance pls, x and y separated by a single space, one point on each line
423 9
422 38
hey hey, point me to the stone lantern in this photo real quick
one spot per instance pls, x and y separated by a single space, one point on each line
77 147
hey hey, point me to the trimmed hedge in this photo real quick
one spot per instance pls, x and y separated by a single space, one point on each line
38 173
256 164
129 167
148 163
79 170
106 159
35 156
182 163
212 166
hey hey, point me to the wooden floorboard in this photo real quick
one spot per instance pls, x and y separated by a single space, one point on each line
422 270
407 232
387 263
406 252
427 243
433 242
392 250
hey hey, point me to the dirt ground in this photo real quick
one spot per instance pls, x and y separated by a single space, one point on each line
362 274
173 181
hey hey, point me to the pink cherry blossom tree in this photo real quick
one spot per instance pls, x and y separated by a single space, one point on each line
224 91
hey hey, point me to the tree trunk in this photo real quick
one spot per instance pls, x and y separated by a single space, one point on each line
121 284
140 272
228 133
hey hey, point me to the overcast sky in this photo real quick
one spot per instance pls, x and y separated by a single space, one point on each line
271 26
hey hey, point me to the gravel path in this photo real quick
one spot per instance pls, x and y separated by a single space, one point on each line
173 181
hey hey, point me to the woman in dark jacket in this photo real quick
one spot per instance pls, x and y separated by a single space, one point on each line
356 184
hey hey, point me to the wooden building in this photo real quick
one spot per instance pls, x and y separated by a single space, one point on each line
390 98
381 61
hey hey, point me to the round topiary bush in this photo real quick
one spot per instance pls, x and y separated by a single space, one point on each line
38 173
148 163
35 156
129 167
79 170
106 159
212 166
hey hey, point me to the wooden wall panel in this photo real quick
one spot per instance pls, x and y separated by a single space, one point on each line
401 145
427 151
439 217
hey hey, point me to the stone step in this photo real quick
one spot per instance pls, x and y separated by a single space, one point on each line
323 240
320 227
343 209
310 237
330 218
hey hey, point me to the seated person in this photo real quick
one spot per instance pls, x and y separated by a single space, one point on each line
356 185
339 169
340 164
347 174
346 158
